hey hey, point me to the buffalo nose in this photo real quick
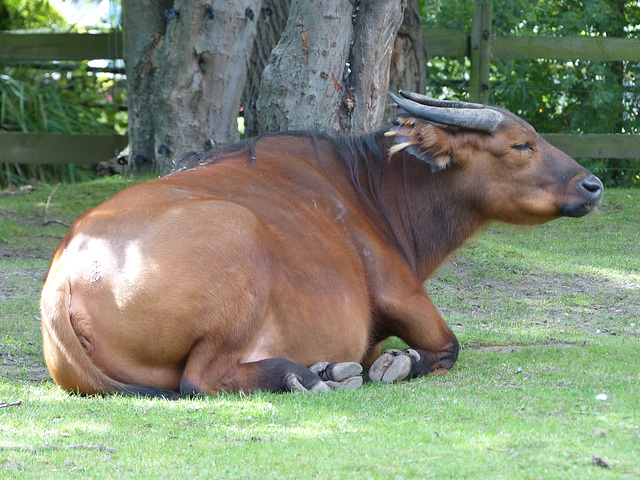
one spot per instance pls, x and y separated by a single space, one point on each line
591 186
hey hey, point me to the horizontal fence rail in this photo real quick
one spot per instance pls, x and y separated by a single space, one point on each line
566 48
443 42
27 47
87 149
59 148
596 145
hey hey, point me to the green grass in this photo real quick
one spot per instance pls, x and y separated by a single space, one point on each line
565 298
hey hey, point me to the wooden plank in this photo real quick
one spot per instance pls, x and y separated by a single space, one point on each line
566 48
591 145
57 148
446 42
454 43
15 47
24 47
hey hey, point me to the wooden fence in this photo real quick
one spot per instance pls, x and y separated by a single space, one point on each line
58 148
480 46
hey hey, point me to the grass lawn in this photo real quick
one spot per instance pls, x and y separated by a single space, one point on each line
547 385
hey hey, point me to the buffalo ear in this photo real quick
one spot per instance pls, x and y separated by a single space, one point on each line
425 141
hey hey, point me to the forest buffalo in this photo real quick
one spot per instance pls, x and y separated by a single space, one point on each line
284 261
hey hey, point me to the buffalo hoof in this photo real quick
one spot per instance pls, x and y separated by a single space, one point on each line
393 365
339 376
293 384
352 383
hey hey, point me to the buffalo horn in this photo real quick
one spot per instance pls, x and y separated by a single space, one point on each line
471 116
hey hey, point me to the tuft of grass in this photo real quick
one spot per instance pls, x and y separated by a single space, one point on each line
561 301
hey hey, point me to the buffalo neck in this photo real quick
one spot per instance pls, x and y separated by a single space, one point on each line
427 214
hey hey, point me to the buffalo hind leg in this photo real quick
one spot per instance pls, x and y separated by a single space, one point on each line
271 374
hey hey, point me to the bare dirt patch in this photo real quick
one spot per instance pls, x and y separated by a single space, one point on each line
598 305
517 348
31 372
20 340
16 367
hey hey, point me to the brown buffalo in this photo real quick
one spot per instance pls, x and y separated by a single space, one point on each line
284 261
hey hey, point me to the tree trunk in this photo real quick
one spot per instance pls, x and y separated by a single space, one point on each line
330 70
273 19
187 66
143 25
375 31
409 59
300 86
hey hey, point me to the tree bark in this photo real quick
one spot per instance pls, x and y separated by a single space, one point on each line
143 25
301 84
375 30
330 70
409 59
187 66
273 20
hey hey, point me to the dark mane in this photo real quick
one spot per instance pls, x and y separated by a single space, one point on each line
191 160
363 155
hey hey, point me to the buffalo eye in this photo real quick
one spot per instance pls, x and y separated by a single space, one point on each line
522 147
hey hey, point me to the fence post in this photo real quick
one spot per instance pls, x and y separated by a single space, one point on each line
480 52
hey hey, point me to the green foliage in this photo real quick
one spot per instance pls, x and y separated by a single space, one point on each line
28 15
576 96
71 100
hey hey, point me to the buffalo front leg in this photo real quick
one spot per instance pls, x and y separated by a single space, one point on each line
271 374
434 347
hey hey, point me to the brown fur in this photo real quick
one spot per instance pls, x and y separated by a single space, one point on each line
297 247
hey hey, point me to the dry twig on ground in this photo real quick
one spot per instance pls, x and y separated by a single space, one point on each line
48 220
